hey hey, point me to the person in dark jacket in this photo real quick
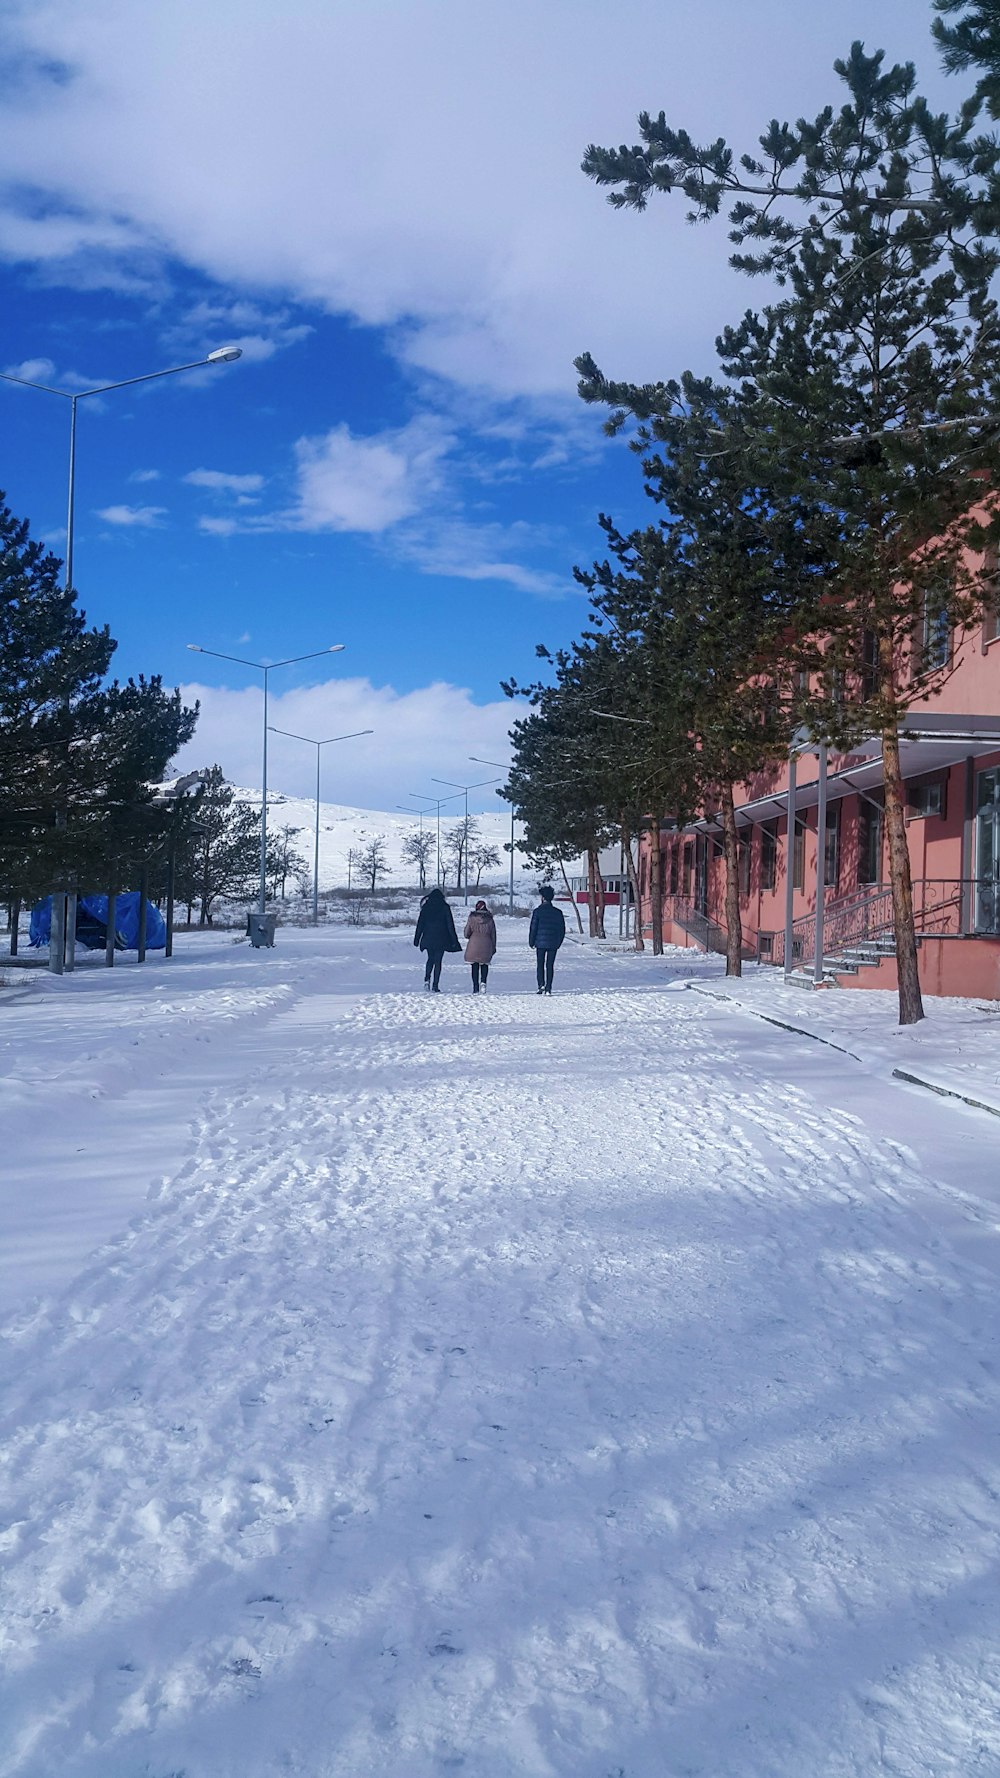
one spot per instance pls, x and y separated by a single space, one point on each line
435 935
481 932
545 935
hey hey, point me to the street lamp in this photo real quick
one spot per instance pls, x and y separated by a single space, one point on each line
318 745
264 667
803 741
438 801
222 355
495 762
466 788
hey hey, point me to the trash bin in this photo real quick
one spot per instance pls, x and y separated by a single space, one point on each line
260 929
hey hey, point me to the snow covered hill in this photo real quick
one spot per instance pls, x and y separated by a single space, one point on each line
342 827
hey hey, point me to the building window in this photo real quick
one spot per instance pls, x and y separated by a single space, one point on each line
674 869
935 641
831 856
926 799
869 844
799 854
768 857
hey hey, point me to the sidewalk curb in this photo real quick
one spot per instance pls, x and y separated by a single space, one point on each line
914 1080
946 1092
769 1019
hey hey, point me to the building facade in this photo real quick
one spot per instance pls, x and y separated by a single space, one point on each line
951 763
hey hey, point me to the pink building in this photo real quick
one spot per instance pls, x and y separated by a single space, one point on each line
951 763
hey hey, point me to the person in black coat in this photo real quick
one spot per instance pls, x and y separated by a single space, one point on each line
435 934
545 935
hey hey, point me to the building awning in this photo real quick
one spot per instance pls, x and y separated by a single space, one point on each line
928 744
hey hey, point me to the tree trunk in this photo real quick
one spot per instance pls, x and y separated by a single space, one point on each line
595 893
734 929
572 897
640 943
911 1006
656 887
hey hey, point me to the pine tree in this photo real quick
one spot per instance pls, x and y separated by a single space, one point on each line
79 758
221 858
877 368
972 41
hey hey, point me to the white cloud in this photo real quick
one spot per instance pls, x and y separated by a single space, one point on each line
429 732
259 332
219 482
144 475
218 527
32 370
143 517
351 482
486 553
463 223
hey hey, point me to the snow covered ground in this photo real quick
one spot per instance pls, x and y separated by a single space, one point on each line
342 827
396 1385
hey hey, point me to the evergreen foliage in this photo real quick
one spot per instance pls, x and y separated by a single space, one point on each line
873 379
972 40
221 857
79 757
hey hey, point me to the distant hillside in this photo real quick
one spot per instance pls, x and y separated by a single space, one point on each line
341 828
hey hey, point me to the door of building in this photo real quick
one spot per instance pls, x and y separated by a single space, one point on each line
988 851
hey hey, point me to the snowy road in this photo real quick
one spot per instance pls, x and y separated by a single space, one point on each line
504 1386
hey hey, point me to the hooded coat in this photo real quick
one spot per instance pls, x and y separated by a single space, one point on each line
481 932
436 925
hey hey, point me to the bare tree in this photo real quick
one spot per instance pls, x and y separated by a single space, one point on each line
483 857
459 843
417 849
284 861
372 861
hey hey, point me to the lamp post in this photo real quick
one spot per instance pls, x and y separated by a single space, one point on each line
495 762
264 667
466 788
318 746
438 801
223 355
804 742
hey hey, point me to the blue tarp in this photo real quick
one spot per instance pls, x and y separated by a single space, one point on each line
92 922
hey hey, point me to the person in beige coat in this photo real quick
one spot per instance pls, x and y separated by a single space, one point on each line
481 932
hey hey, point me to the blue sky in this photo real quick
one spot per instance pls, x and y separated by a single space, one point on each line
382 204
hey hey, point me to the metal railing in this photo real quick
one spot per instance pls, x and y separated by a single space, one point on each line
943 907
709 933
